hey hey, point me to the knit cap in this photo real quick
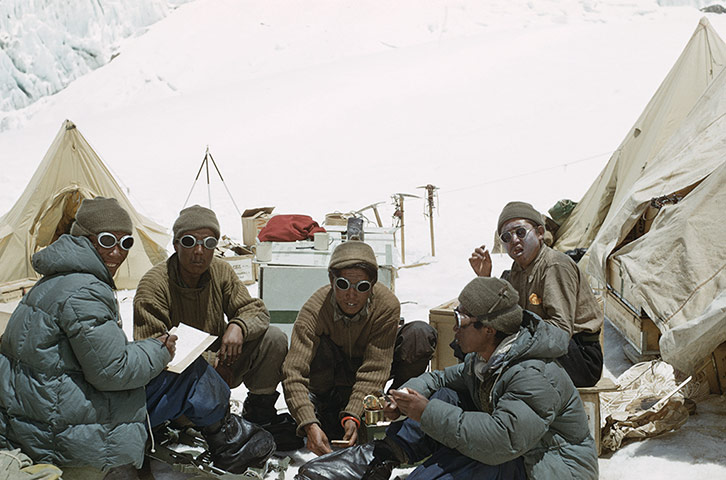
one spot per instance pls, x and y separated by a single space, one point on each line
350 253
514 210
194 218
100 214
493 302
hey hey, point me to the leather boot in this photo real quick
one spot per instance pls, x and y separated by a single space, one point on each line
236 444
261 410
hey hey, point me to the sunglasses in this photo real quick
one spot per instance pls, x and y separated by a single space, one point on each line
459 316
520 232
342 283
190 241
109 240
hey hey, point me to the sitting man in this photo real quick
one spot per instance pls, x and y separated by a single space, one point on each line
508 412
551 285
342 349
194 288
72 386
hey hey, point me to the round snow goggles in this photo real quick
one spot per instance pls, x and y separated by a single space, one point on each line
459 316
109 240
342 283
190 241
520 232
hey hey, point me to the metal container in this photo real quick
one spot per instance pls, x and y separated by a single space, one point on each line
373 417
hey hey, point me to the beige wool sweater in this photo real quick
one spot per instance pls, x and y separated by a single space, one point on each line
371 338
161 302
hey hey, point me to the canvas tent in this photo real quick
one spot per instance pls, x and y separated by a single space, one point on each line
661 245
701 61
70 171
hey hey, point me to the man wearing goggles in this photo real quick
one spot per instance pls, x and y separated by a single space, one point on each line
346 343
195 288
98 384
551 285
508 412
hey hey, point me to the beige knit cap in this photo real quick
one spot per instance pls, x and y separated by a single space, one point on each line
100 214
514 210
194 218
350 253
493 302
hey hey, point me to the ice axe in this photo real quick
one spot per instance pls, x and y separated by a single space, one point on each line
398 218
431 197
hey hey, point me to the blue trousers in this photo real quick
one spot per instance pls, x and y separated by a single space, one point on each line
445 463
198 392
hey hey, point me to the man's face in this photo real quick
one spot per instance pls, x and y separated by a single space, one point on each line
112 257
469 337
196 260
522 250
352 301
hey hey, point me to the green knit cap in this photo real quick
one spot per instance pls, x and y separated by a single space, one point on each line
194 218
351 253
100 214
514 210
493 302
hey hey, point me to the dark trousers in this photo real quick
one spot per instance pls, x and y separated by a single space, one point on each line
198 392
583 361
445 463
333 373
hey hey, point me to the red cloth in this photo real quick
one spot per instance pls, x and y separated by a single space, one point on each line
289 228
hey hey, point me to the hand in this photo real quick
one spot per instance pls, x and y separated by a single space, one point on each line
317 440
410 402
231 347
391 410
169 341
481 261
351 432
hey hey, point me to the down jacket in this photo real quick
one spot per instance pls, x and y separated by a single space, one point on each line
536 410
71 385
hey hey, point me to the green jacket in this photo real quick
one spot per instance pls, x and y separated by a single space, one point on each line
71 385
536 411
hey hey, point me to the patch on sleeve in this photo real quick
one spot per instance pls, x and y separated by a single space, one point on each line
535 300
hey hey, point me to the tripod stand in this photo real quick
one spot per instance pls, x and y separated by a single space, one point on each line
205 166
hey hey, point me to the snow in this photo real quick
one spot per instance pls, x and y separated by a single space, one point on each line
323 106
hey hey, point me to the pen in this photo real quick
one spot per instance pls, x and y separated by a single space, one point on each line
167 338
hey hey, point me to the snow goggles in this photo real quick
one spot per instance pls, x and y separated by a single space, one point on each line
109 240
520 232
342 283
190 241
459 316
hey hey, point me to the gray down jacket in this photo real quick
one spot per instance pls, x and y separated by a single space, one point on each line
536 410
71 385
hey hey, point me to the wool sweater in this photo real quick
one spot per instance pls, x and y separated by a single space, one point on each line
553 287
162 302
370 336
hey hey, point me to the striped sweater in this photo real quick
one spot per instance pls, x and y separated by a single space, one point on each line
161 302
370 336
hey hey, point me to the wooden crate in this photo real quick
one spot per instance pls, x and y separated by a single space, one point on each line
713 368
12 291
244 267
442 319
636 327
590 397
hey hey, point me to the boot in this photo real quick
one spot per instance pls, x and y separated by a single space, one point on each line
344 464
260 410
236 444
386 456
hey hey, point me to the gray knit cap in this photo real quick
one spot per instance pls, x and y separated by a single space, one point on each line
514 210
350 253
194 218
493 302
100 214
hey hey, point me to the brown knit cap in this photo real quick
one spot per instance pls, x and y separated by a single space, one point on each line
493 302
514 210
194 218
100 214
350 253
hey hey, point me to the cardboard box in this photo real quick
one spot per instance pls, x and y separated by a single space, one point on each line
442 319
253 220
243 267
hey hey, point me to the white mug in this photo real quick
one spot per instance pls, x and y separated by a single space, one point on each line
264 252
321 241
